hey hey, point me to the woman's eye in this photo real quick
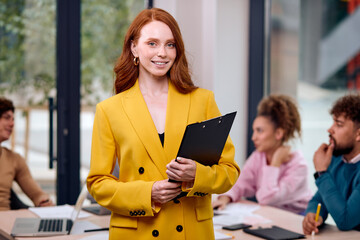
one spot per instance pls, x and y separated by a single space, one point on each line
172 45
151 43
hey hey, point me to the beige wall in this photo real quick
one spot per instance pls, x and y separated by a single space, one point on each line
215 33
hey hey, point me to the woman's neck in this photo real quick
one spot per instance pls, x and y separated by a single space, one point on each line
153 87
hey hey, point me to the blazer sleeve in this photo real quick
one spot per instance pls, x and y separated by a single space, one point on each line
123 198
220 177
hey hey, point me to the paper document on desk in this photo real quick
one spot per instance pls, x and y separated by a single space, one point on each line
103 235
221 236
238 213
238 208
80 227
63 211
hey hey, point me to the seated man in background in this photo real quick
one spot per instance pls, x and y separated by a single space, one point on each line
13 166
337 166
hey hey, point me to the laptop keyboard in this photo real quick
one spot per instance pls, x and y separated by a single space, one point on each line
51 225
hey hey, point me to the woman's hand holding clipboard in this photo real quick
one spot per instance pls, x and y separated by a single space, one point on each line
204 141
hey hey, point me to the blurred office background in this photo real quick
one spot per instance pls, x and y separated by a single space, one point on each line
241 49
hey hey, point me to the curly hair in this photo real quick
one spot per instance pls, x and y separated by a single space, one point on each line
348 105
126 72
283 113
6 105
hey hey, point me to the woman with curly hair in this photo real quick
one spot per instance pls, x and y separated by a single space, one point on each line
273 174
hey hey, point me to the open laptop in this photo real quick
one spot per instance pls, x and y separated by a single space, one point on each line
28 227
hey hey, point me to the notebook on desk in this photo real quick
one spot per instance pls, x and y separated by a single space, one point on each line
97 209
274 233
29 227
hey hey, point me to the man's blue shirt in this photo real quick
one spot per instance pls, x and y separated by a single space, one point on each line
339 194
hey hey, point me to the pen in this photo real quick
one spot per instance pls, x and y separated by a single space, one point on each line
317 216
97 229
230 235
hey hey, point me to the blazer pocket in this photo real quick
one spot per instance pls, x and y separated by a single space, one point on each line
122 221
203 208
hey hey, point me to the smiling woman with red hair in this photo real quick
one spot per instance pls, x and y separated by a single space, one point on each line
141 127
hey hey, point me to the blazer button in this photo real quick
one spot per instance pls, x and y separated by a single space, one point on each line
176 201
142 212
141 170
155 233
179 228
131 213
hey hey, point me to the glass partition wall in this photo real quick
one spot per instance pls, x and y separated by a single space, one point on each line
314 57
28 73
104 24
27 77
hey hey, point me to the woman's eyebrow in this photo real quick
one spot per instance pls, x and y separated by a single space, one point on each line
156 39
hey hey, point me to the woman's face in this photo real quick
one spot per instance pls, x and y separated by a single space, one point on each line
6 125
156 50
265 136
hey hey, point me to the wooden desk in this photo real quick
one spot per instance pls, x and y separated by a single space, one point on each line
293 222
278 217
7 219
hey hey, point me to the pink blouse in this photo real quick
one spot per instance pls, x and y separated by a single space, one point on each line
285 187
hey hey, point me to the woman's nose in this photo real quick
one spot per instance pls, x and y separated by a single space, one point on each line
162 52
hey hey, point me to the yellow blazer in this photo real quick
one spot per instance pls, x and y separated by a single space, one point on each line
123 131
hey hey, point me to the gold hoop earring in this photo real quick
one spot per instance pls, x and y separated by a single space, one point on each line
136 61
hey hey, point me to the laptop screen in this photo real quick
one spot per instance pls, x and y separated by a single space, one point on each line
79 202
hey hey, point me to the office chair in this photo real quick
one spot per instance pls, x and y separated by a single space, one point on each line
15 202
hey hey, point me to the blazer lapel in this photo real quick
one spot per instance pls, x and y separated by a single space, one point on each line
139 116
177 116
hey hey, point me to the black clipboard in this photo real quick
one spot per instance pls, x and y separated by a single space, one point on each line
205 141
274 233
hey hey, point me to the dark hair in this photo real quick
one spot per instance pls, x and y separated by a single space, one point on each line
283 112
348 105
125 70
5 105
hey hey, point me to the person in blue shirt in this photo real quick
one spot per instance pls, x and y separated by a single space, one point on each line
337 166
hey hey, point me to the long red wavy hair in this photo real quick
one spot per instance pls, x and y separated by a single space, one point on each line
125 70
